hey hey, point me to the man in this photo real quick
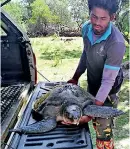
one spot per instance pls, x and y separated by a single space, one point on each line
104 48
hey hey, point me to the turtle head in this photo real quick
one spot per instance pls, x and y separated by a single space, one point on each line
72 114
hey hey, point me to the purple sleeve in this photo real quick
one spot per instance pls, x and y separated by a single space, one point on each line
115 54
111 68
108 80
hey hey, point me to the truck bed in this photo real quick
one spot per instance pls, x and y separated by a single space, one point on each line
63 137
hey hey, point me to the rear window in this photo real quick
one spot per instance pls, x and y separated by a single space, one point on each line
2 32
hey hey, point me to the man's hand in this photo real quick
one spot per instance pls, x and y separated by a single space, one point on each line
65 123
73 81
85 119
98 103
75 78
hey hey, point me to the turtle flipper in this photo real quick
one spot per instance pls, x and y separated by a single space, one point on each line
101 111
38 127
37 116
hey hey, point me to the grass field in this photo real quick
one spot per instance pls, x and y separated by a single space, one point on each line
57 59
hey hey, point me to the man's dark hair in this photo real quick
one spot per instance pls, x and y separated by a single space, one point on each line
110 5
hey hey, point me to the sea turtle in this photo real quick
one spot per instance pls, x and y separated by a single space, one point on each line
68 102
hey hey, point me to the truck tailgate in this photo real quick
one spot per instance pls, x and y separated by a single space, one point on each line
12 100
63 137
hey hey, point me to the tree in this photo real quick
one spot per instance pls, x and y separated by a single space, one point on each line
60 9
79 11
41 13
122 20
15 10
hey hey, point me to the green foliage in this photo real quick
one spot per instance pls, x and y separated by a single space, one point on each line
61 50
15 10
126 56
35 15
122 19
56 49
79 10
57 52
127 53
40 12
55 36
122 122
56 57
59 8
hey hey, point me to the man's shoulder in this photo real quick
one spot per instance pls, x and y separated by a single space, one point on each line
116 35
86 24
84 28
116 42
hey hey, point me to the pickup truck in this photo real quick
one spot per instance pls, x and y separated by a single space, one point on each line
19 88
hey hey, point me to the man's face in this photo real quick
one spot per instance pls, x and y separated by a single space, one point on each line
100 19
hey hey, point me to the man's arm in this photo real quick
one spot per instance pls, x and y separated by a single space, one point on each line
82 63
80 69
111 68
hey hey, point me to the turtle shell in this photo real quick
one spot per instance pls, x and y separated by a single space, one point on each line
50 103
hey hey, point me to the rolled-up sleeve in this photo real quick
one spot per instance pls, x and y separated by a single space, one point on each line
112 65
